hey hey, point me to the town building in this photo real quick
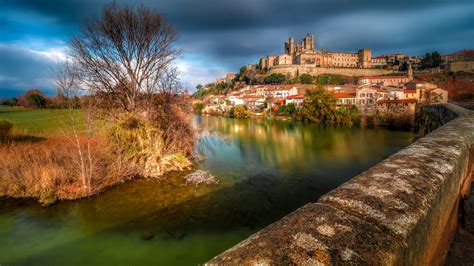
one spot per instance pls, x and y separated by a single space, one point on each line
297 99
379 61
345 98
276 91
384 80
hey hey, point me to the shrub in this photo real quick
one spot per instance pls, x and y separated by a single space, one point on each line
5 129
288 109
142 145
240 111
320 107
198 107
306 79
36 100
275 78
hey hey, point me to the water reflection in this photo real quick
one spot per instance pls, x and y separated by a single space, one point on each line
294 146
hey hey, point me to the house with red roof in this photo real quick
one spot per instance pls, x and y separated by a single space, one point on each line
297 99
345 98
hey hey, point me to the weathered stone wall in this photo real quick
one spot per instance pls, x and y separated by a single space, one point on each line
430 117
461 66
403 211
294 70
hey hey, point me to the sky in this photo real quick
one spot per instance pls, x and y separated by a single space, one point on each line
219 36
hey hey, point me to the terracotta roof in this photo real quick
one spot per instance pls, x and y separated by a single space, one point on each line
345 94
409 91
385 77
397 101
297 96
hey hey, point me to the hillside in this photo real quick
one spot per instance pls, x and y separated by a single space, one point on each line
460 85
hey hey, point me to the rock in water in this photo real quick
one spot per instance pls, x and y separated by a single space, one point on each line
148 235
200 177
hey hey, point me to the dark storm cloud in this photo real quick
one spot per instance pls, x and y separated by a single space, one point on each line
22 69
227 34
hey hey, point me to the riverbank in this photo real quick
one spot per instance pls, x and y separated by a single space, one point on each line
403 122
42 159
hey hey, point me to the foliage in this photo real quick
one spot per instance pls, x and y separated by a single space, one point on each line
330 79
240 111
306 79
5 129
403 67
199 87
32 98
431 60
9 102
288 109
320 107
143 145
212 89
36 100
198 107
275 78
248 76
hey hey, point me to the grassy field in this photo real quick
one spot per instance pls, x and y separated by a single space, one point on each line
35 121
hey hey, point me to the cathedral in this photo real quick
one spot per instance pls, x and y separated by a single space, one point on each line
304 53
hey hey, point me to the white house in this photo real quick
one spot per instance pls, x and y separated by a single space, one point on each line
236 100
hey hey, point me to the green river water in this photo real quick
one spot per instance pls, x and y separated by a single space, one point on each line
266 169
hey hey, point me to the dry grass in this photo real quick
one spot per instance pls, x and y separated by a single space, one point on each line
49 170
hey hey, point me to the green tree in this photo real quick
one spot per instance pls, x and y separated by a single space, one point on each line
436 59
404 66
198 107
36 99
288 109
431 60
275 78
330 79
306 79
240 111
320 107
199 87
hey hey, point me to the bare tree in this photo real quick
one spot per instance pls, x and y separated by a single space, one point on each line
67 81
123 55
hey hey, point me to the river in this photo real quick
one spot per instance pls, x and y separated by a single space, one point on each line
266 169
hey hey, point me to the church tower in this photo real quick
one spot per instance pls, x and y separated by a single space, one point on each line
410 71
290 46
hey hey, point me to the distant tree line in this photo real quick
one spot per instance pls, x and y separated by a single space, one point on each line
35 98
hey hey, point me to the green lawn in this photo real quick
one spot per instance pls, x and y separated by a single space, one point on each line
35 121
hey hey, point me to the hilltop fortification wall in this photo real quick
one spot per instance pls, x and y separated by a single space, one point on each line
294 70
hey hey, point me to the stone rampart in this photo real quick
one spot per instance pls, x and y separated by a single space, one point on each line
403 211
294 70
